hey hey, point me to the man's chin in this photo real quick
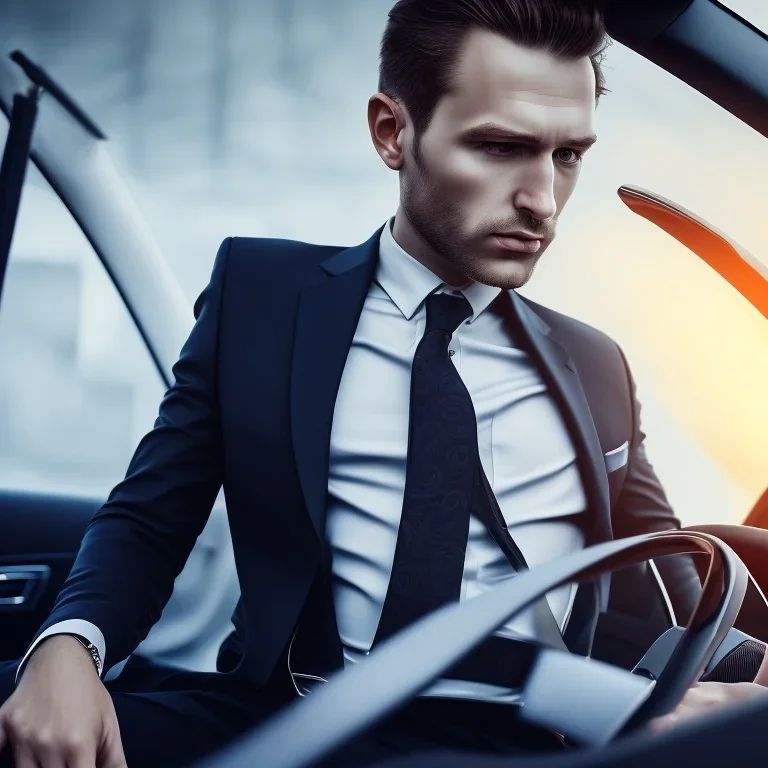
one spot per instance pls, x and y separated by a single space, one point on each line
507 274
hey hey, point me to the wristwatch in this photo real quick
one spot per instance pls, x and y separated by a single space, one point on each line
92 649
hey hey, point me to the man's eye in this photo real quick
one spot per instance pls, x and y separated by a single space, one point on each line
568 156
500 148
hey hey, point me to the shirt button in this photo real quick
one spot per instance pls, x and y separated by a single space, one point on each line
451 352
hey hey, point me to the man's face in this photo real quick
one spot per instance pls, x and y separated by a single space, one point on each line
501 156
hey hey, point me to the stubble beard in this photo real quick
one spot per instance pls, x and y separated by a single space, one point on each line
439 225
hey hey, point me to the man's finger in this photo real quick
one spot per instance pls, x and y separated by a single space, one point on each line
112 754
23 757
659 724
82 761
83 757
665 722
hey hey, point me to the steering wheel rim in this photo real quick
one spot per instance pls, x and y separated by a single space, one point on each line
357 698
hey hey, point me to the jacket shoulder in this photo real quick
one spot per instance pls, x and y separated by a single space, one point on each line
573 329
278 254
246 264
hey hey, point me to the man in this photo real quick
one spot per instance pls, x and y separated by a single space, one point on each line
381 418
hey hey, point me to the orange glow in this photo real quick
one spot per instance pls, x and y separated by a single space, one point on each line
708 357
732 262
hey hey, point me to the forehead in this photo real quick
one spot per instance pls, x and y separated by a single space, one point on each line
526 89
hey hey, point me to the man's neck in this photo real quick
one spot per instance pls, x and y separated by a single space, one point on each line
413 244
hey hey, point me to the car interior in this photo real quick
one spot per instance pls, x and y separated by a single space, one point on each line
644 656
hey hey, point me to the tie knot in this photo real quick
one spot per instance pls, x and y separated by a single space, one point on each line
446 313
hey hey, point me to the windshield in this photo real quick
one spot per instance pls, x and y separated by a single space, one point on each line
754 11
251 121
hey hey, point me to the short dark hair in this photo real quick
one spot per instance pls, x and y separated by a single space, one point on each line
423 38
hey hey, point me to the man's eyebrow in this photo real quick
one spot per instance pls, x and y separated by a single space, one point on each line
494 132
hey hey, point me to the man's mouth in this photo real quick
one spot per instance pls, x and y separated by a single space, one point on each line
521 242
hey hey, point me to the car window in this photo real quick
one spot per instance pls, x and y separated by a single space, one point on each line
754 11
696 350
78 387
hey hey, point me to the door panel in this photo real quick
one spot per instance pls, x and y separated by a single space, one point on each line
77 391
79 387
39 538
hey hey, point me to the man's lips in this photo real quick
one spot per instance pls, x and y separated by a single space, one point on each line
518 241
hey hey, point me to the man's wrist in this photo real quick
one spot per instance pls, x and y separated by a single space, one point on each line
92 650
62 646
72 629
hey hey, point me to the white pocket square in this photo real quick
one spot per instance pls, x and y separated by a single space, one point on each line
617 458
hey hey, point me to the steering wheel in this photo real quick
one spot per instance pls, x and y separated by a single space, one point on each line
588 701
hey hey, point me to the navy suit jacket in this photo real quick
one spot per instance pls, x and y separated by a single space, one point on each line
251 409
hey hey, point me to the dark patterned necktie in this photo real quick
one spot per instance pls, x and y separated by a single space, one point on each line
445 482
442 455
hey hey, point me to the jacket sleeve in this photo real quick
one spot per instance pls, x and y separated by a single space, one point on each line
137 543
642 507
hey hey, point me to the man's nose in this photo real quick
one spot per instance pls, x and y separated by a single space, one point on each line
536 189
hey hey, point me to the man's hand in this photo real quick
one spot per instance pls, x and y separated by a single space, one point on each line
705 698
60 713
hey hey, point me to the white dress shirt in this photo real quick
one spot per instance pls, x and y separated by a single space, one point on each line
525 450
524 446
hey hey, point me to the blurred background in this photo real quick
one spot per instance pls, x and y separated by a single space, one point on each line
247 117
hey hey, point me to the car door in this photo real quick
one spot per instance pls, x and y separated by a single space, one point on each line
91 321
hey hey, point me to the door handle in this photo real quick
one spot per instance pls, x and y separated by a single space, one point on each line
22 585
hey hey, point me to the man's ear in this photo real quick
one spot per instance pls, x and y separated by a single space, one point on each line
386 122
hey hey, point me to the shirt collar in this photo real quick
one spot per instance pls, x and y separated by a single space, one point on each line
408 282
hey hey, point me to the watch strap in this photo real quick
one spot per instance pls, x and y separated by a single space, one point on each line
93 650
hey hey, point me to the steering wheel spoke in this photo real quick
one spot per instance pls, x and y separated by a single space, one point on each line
586 700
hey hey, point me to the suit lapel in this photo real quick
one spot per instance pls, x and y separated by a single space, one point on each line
561 370
327 318
328 313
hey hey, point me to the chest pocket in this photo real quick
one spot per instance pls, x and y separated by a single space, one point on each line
616 465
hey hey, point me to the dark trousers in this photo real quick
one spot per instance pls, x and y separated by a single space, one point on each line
188 715
731 737
171 718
